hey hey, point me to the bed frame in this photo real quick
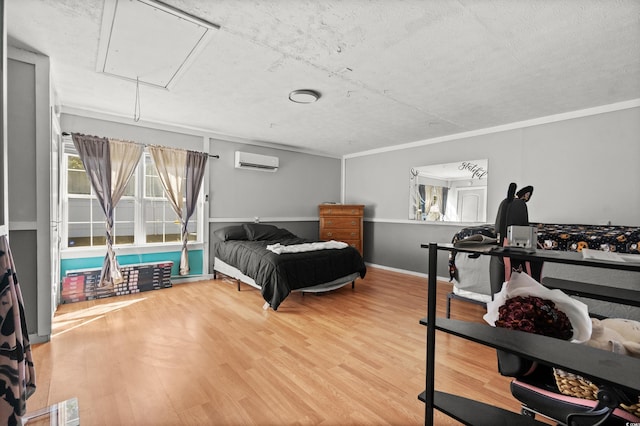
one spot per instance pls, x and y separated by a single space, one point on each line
232 272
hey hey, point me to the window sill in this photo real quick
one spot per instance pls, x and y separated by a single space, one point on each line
82 252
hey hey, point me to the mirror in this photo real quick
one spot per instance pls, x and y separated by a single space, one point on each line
452 192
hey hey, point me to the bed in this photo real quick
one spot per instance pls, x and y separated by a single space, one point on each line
277 262
470 275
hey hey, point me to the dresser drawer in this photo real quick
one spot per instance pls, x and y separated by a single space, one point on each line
342 222
355 244
340 210
340 234
339 222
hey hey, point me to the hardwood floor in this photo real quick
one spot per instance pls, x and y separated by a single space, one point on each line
205 354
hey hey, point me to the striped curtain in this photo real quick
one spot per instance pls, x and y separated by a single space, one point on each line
109 164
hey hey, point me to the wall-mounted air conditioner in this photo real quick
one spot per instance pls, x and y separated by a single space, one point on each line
247 160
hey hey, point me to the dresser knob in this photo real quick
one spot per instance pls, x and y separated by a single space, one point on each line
353 234
329 234
329 222
353 222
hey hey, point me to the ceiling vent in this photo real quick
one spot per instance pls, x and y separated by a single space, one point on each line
149 42
247 160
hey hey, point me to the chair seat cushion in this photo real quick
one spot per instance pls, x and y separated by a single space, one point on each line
541 398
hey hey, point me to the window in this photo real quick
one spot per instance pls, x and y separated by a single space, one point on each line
161 223
85 219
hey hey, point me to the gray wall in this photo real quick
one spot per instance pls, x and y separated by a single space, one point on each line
117 130
287 198
584 170
21 147
301 183
398 245
28 178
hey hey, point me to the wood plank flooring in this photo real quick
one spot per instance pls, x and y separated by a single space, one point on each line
203 353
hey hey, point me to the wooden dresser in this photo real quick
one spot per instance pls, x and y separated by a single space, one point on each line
342 222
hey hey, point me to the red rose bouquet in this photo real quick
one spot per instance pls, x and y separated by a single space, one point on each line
525 304
534 315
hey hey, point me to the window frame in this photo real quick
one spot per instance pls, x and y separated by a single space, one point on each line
139 224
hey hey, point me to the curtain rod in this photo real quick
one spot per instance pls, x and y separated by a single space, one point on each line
210 155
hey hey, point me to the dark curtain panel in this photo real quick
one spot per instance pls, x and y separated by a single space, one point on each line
109 165
445 196
196 164
95 156
423 202
94 153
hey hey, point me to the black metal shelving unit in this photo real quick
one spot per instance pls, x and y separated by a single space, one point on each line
597 365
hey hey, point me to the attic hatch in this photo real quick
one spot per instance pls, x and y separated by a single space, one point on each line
149 41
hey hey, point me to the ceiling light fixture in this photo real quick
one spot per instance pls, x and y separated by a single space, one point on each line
304 96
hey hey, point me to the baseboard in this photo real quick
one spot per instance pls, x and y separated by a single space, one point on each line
177 279
36 338
405 271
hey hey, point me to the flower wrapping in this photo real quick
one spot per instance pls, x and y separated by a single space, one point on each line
534 315
523 286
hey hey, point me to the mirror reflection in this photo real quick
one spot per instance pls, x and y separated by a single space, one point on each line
451 192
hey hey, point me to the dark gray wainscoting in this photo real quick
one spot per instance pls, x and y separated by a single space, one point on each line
397 245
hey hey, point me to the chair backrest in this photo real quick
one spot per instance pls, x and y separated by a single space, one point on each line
511 211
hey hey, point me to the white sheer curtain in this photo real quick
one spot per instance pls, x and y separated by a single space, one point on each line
433 197
109 164
170 164
181 173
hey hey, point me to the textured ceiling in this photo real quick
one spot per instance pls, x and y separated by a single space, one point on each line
390 72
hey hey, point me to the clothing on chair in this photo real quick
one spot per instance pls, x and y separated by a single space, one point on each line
511 211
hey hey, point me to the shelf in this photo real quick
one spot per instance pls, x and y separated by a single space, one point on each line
622 295
600 366
469 412
552 256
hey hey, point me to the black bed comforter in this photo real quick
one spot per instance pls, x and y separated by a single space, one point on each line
278 274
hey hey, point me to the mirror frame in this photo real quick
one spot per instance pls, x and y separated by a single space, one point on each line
438 192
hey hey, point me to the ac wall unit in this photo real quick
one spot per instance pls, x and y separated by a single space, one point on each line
247 160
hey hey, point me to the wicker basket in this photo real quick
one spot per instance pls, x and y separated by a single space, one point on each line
579 387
